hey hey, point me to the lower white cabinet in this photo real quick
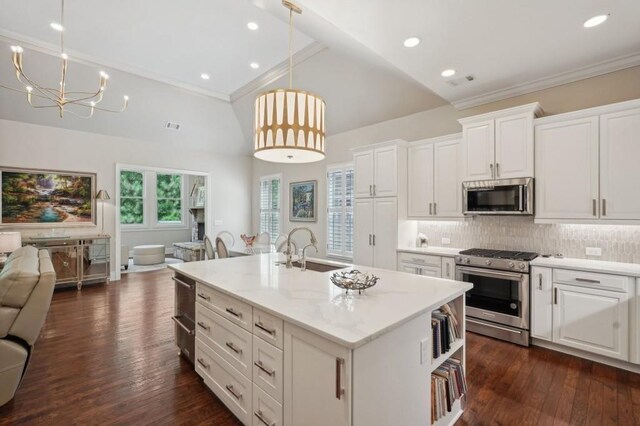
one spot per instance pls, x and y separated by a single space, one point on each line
635 329
376 232
448 268
593 320
266 410
426 264
317 380
542 303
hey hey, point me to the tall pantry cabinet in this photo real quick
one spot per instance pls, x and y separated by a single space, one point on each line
378 211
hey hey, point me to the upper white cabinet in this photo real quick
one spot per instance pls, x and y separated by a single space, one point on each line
586 165
376 232
376 170
499 145
434 178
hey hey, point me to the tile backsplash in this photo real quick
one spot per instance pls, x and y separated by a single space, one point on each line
618 243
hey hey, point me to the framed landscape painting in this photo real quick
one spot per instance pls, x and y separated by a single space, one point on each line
47 198
302 201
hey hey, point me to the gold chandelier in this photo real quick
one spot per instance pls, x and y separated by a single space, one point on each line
45 97
289 124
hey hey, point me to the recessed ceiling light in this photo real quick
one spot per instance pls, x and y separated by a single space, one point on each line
252 26
412 42
205 76
254 65
595 21
448 73
56 26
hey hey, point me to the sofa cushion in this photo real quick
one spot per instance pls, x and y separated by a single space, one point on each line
18 278
19 253
7 317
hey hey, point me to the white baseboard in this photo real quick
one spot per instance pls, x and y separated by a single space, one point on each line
586 355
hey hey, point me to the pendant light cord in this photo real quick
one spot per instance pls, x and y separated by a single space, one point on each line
290 48
62 24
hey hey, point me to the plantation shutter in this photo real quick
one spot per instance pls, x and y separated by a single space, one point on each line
340 211
270 191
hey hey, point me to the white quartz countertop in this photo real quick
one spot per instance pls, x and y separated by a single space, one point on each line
438 251
618 268
309 299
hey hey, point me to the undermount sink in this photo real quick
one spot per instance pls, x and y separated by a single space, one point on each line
314 266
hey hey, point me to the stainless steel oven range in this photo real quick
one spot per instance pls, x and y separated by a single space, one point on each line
498 304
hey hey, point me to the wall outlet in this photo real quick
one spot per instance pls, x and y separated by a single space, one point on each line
446 241
424 351
217 222
593 251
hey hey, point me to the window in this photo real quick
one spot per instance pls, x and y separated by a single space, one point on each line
169 198
340 211
131 198
270 206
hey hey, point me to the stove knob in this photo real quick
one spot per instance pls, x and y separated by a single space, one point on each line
467 260
511 265
488 262
521 266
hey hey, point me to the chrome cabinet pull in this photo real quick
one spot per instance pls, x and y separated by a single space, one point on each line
261 326
263 419
204 296
539 281
491 169
339 390
374 239
595 207
182 283
203 364
234 313
448 273
435 209
498 169
587 280
231 346
555 295
263 368
374 189
203 325
369 239
371 190
184 327
233 392
430 209
604 207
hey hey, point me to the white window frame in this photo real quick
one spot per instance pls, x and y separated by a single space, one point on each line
183 216
342 167
273 177
145 207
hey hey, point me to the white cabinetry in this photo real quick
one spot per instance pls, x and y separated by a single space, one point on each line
317 380
542 303
376 171
376 232
586 168
499 145
448 268
424 264
434 178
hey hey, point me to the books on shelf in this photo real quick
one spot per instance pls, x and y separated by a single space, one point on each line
447 385
444 328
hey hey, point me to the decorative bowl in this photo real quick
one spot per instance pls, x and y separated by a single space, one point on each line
249 239
354 280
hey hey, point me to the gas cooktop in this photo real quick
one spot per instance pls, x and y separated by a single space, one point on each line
500 254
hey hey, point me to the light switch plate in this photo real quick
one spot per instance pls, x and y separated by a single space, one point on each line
217 222
424 351
593 251
446 241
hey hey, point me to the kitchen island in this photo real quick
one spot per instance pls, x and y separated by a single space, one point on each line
285 347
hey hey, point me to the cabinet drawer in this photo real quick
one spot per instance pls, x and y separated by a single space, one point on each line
230 308
266 410
267 368
231 342
592 280
268 327
419 259
234 389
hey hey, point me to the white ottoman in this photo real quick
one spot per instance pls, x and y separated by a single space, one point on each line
148 255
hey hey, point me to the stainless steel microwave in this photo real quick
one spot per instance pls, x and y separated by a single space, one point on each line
501 196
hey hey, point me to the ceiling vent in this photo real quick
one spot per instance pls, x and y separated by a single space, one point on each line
461 81
173 126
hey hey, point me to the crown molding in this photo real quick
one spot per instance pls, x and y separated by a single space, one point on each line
277 72
600 68
81 58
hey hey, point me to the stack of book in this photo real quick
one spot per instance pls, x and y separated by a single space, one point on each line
444 329
447 385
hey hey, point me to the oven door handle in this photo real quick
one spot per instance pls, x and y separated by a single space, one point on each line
490 274
510 330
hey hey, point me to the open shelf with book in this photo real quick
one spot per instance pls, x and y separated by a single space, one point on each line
448 383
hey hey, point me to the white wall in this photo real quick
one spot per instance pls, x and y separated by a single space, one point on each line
605 89
35 146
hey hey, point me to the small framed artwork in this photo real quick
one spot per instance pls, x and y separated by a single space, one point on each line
47 198
201 196
302 201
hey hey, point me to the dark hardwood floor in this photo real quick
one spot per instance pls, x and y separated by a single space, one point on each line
106 356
